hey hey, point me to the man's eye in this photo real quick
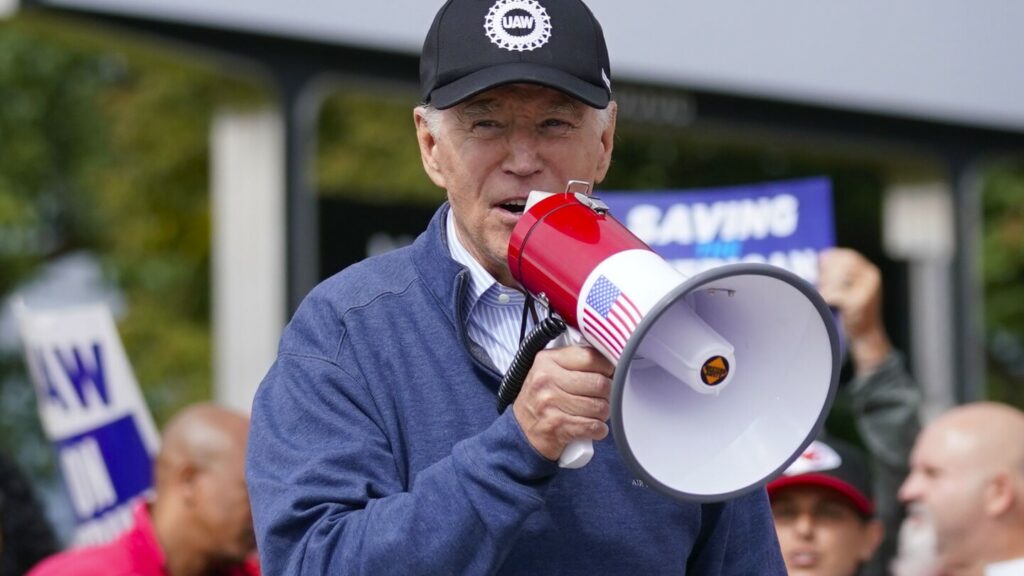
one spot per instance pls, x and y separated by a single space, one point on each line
784 513
555 123
486 125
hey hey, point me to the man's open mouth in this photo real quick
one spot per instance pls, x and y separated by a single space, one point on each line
516 206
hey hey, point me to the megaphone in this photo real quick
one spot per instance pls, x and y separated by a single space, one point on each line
722 379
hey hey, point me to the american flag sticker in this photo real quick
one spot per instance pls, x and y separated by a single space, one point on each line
609 316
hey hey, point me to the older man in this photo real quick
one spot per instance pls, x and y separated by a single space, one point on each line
198 523
376 448
967 475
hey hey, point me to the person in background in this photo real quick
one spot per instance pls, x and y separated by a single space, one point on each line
967 477
376 447
884 397
25 535
824 512
198 523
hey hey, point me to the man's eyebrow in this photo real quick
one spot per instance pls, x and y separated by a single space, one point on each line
479 108
566 107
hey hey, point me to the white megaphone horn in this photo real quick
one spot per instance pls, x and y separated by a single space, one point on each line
721 379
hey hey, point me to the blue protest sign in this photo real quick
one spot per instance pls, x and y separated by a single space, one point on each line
93 413
782 223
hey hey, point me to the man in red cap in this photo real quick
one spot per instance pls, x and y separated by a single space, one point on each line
824 514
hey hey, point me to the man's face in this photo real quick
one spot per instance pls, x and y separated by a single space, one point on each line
492 150
223 508
821 533
947 485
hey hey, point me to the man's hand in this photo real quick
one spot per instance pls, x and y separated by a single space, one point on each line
852 284
565 398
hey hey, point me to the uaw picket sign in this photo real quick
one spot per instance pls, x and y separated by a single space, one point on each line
93 413
785 223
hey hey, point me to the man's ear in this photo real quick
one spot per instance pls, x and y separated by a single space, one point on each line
187 479
607 142
999 494
873 533
428 146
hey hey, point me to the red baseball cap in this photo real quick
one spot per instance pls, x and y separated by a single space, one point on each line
831 464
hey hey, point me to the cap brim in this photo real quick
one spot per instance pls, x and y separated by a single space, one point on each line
468 86
861 502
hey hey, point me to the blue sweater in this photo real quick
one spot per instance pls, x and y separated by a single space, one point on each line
376 448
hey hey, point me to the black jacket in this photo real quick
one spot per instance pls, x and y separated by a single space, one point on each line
25 536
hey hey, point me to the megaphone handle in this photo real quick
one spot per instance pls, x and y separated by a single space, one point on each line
576 454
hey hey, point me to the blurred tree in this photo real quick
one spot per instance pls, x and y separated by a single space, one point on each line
48 132
1003 260
105 149
367 149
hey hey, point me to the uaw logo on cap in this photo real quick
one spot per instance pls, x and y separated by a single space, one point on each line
518 25
818 457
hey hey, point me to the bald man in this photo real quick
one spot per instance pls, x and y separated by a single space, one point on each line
199 522
967 475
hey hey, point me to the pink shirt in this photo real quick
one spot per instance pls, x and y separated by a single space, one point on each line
134 553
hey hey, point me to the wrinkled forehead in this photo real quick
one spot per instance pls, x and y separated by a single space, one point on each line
514 97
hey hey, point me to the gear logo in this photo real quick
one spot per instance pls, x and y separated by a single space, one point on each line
518 25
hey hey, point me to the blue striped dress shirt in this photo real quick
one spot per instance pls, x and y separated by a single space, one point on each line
494 311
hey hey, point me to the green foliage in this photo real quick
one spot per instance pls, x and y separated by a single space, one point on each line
1003 259
44 90
105 149
367 149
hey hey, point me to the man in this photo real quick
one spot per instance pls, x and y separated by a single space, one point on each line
376 447
199 522
882 395
824 513
967 475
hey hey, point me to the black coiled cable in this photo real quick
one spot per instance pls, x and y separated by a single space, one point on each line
546 330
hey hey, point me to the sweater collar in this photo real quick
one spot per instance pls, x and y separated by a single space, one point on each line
443 277
447 281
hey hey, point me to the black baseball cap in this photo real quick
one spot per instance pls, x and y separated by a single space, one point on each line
476 45
835 465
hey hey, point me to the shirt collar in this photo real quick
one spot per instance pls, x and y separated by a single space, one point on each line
482 284
1007 568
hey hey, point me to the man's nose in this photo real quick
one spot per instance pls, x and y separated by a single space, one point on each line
524 155
910 489
804 524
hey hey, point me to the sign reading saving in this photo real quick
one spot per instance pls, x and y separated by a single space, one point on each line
786 224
